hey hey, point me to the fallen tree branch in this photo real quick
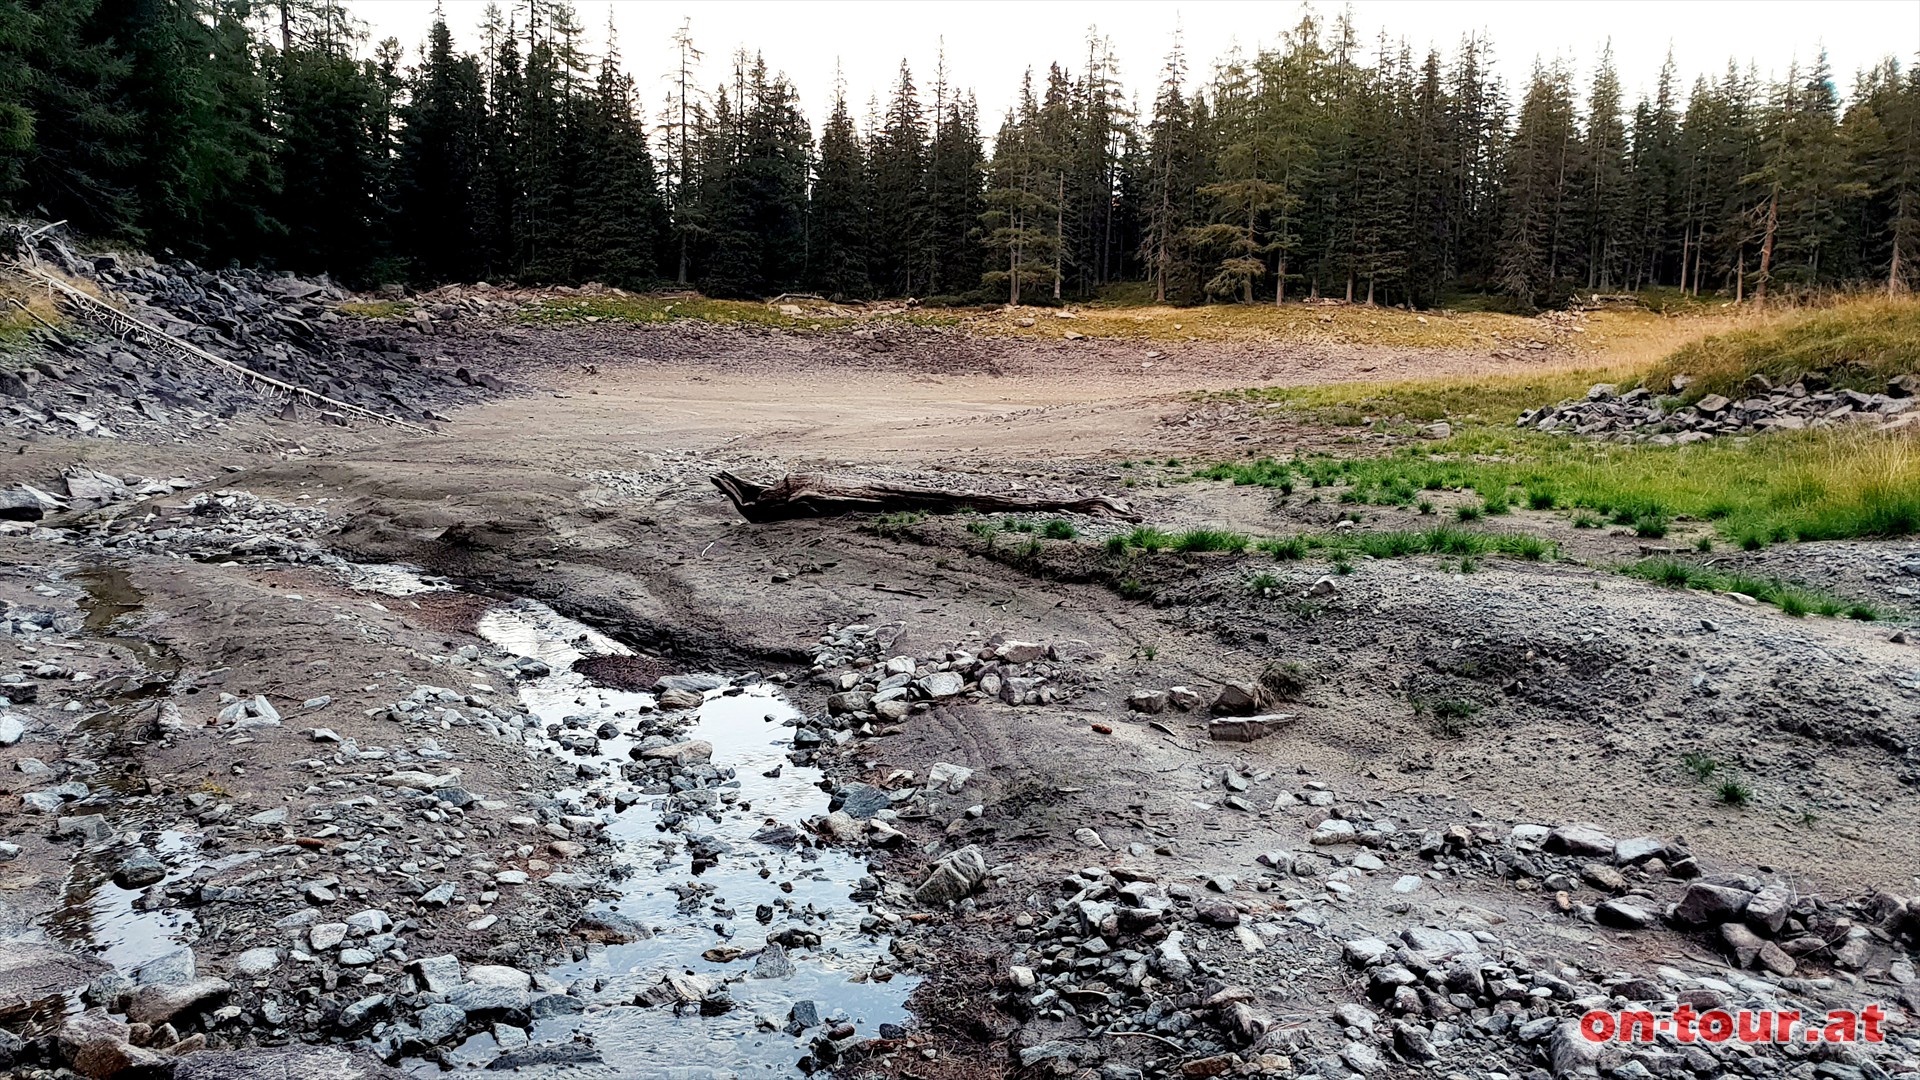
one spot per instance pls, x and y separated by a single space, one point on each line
801 495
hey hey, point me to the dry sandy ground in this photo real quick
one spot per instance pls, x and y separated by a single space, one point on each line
589 491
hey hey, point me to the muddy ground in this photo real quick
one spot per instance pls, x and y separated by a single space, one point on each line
1150 899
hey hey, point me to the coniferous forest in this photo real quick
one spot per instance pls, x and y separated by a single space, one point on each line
276 134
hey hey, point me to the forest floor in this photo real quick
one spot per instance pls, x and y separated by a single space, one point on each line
1156 901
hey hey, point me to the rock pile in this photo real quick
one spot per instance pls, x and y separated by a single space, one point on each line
84 381
1640 415
868 685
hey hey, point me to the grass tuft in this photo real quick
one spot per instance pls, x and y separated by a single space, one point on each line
1791 599
1209 540
1701 765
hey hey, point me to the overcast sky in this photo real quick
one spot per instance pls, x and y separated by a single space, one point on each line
990 43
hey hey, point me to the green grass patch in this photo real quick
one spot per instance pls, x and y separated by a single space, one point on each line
1791 599
1809 485
1702 766
376 309
1208 540
1142 538
1059 529
1492 400
1448 718
895 524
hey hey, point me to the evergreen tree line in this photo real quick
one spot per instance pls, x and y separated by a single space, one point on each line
269 133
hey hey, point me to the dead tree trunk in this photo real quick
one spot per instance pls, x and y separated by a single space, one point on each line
800 495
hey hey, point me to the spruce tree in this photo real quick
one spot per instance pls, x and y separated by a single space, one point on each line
442 144
840 209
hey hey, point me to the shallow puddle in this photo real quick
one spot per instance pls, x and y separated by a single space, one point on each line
95 913
99 916
754 889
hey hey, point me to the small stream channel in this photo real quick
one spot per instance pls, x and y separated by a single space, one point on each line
752 891
95 911
757 876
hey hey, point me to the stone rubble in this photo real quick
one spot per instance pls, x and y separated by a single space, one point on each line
1642 415
84 381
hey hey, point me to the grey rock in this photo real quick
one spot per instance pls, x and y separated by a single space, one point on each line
535 1056
362 1013
675 700
861 801
11 730
437 974
256 962
1704 904
283 1063
1354 1015
1238 699
437 1024
773 963
954 877
941 684
1571 1054
499 975
157 1005
169 968
138 872
370 921
1622 915
486 1003
1638 849
1585 840
1147 701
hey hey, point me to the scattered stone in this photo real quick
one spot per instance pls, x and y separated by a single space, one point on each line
1247 728
954 877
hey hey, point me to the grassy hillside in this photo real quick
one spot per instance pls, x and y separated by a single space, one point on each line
1819 484
1859 344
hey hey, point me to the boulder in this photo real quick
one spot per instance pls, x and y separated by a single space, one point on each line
1706 905
1247 728
1147 701
1238 699
690 752
1584 840
158 1005
1767 911
679 700
943 776
112 1059
1742 944
283 1063
941 684
1622 916
954 877
1636 850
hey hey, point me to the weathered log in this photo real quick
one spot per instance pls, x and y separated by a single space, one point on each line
801 495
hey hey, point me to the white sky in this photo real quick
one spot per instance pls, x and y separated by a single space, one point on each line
991 43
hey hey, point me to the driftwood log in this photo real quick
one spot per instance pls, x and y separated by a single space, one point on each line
800 495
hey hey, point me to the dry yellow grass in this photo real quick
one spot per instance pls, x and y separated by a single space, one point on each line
1858 343
24 307
1612 336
